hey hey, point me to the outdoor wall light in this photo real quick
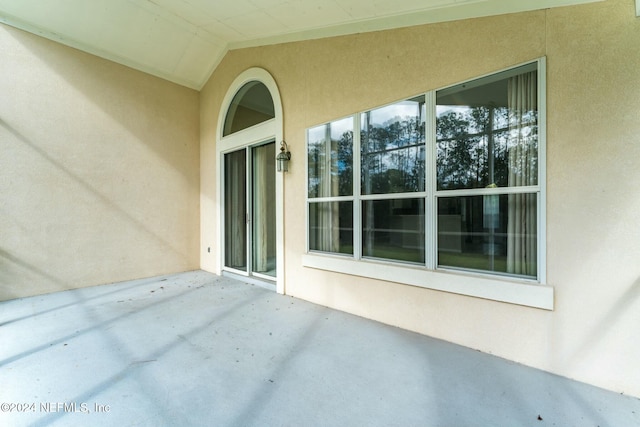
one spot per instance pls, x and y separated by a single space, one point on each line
283 157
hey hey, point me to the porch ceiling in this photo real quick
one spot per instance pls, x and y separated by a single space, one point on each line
184 40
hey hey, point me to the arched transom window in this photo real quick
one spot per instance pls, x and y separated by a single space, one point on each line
251 105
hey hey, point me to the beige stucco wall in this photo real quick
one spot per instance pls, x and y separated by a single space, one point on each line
99 170
593 171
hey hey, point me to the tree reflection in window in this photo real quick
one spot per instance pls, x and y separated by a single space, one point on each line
392 148
478 131
487 137
486 193
330 159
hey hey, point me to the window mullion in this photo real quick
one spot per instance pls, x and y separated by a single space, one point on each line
389 196
357 216
431 230
488 191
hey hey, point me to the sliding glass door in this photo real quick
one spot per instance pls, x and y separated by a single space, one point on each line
250 211
235 210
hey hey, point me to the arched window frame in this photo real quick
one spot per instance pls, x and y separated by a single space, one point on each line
270 129
232 110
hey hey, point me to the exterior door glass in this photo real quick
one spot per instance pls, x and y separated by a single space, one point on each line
263 224
250 210
235 210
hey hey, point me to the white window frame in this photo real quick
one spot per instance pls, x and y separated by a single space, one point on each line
271 129
522 291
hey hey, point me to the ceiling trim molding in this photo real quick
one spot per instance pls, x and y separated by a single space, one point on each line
464 10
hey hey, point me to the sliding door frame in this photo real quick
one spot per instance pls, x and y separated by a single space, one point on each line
253 136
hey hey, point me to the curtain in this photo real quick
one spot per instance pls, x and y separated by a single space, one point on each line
368 228
333 177
523 151
328 215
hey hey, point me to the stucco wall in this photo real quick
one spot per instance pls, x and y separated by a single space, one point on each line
99 170
593 101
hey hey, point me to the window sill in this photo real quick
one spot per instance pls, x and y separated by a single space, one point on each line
511 291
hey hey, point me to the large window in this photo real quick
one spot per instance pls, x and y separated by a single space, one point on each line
392 181
330 172
446 180
487 173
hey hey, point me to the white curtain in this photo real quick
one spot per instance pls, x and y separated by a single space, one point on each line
328 214
523 151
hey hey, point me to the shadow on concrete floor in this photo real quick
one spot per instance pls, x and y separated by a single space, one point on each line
195 349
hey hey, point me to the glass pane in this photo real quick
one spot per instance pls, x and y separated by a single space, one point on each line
235 210
263 227
487 132
495 233
330 153
393 229
251 105
331 227
393 148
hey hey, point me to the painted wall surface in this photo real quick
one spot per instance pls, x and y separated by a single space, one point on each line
593 102
99 170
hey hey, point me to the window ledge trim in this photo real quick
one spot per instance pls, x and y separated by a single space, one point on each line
497 289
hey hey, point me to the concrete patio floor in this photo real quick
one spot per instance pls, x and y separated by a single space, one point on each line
195 349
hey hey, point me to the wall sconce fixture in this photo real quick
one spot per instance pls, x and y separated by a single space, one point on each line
283 157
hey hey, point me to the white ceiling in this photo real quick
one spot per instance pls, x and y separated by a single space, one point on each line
184 40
